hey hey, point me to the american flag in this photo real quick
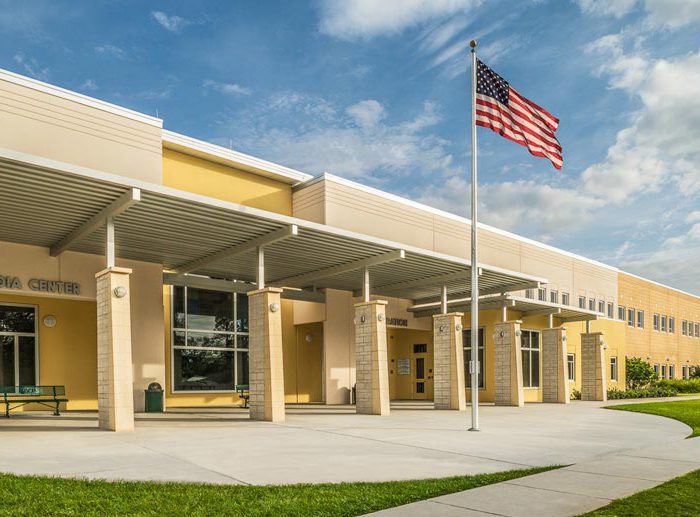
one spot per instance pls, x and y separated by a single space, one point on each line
505 111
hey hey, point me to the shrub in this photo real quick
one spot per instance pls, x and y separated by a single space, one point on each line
695 372
642 393
575 395
639 374
681 386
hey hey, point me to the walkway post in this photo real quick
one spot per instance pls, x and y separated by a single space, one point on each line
474 363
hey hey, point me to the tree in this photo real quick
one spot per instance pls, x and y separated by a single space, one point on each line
640 374
695 372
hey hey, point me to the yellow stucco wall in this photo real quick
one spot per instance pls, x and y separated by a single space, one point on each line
192 174
68 351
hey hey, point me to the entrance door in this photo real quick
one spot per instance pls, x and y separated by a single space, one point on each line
420 371
17 345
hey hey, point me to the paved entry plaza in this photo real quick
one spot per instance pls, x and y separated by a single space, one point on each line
324 443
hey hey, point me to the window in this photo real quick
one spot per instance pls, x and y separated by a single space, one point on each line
640 319
685 372
529 293
581 302
630 317
565 298
697 330
656 322
671 324
591 304
601 306
18 345
656 369
554 296
663 371
571 366
620 313
420 348
542 294
209 340
530 350
466 340
684 328
663 323
611 310
671 371
613 369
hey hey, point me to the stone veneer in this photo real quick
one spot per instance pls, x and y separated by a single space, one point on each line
448 362
508 370
371 361
555 382
593 381
266 375
115 384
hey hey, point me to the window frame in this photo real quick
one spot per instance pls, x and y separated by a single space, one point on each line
656 321
542 294
697 329
571 367
621 313
554 296
611 310
630 316
640 319
35 335
531 351
671 325
581 302
565 300
601 306
664 323
684 327
672 371
234 333
613 368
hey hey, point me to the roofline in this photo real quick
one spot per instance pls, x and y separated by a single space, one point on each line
57 91
680 291
115 179
202 149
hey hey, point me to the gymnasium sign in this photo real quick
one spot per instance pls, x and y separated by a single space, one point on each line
40 285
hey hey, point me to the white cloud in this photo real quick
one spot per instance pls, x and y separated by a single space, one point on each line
171 23
616 8
693 217
366 114
89 85
356 141
112 51
31 67
227 88
364 19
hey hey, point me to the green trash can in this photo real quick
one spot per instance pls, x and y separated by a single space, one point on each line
154 398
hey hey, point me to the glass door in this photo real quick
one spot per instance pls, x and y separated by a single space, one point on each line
18 345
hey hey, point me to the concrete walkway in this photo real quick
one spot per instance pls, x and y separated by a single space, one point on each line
573 490
324 443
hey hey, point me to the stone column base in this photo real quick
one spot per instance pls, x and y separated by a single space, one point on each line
555 376
448 362
508 361
266 375
593 380
115 384
371 360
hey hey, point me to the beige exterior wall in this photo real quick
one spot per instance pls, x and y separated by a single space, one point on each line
43 120
342 204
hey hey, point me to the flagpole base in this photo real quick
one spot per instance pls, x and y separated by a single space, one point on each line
474 429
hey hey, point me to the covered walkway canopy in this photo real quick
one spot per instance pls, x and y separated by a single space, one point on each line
66 207
526 306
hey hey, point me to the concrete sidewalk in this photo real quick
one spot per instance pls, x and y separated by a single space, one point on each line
572 490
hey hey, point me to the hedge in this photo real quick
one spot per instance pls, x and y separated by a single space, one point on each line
681 386
642 393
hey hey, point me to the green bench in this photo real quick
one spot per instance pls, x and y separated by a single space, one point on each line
243 392
18 396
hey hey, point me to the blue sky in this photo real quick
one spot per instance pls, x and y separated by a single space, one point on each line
377 92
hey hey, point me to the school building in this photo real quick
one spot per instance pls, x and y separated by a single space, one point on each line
130 254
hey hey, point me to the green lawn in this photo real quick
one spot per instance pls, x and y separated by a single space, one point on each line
687 411
678 497
30 495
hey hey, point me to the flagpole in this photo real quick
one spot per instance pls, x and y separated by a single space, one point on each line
474 363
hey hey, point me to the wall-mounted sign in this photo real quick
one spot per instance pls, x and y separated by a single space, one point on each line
397 322
40 284
403 366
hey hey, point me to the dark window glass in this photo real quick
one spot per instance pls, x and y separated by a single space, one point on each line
242 367
420 348
242 313
467 339
205 339
243 341
16 319
209 310
420 387
203 370
27 361
7 361
420 368
179 307
526 369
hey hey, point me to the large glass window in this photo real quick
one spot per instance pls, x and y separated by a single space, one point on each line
209 340
467 341
18 354
530 346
